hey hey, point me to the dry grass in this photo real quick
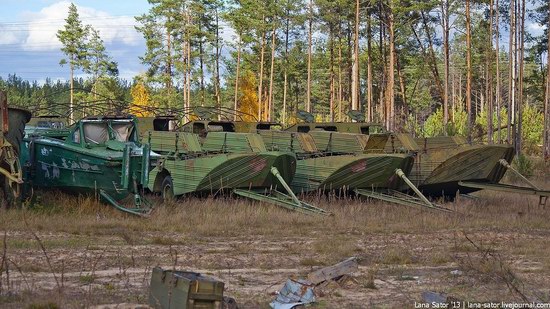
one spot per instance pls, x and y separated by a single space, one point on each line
249 244
209 217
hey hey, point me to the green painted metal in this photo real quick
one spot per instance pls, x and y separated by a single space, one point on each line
225 161
233 142
542 194
280 199
100 156
342 127
215 168
171 289
202 127
331 161
48 122
531 190
440 162
397 198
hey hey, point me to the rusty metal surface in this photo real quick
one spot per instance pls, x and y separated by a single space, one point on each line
294 293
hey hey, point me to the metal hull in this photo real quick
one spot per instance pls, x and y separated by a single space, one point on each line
364 171
211 173
52 164
439 171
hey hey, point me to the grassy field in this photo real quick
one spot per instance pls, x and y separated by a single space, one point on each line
70 252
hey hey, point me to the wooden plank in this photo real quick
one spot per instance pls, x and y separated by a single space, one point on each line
343 268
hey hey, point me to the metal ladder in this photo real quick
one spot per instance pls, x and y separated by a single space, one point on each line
532 189
286 200
396 197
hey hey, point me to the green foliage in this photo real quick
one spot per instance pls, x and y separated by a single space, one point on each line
482 121
170 25
99 63
523 165
433 126
73 38
533 126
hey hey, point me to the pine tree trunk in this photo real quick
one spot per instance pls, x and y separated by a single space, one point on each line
236 97
546 133
187 64
184 62
355 97
261 77
520 86
511 81
402 84
201 64
184 59
217 77
270 98
285 69
340 88
489 77
383 72
469 71
446 55
71 104
309 51
433 58
190 62
168 81
369 70
331 73
497 73
390 101
349 60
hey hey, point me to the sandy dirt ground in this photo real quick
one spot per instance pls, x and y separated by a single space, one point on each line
491 252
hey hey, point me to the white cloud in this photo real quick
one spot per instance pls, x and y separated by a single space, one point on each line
227 33
8 37
535 28
43 26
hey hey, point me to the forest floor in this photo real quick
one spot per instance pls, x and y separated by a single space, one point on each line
70 252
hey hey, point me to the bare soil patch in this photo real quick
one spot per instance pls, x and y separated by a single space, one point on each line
497 249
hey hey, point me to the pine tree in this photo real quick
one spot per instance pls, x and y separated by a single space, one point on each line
98 63
159 27
73 38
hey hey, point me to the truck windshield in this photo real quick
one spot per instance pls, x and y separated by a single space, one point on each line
122 131
97 133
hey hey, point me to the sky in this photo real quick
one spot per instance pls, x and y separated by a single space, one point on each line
29 46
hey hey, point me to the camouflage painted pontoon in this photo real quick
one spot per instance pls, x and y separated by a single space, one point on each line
98 155
238 162
443 166
339 164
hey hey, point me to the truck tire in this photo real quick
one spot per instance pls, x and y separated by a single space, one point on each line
167 189
18 118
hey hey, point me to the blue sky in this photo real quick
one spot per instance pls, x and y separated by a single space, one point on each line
29 48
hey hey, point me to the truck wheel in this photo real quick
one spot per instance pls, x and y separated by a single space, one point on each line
167 189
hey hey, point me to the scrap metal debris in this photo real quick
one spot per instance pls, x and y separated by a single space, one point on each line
294 293
301 291
434 297
335 271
